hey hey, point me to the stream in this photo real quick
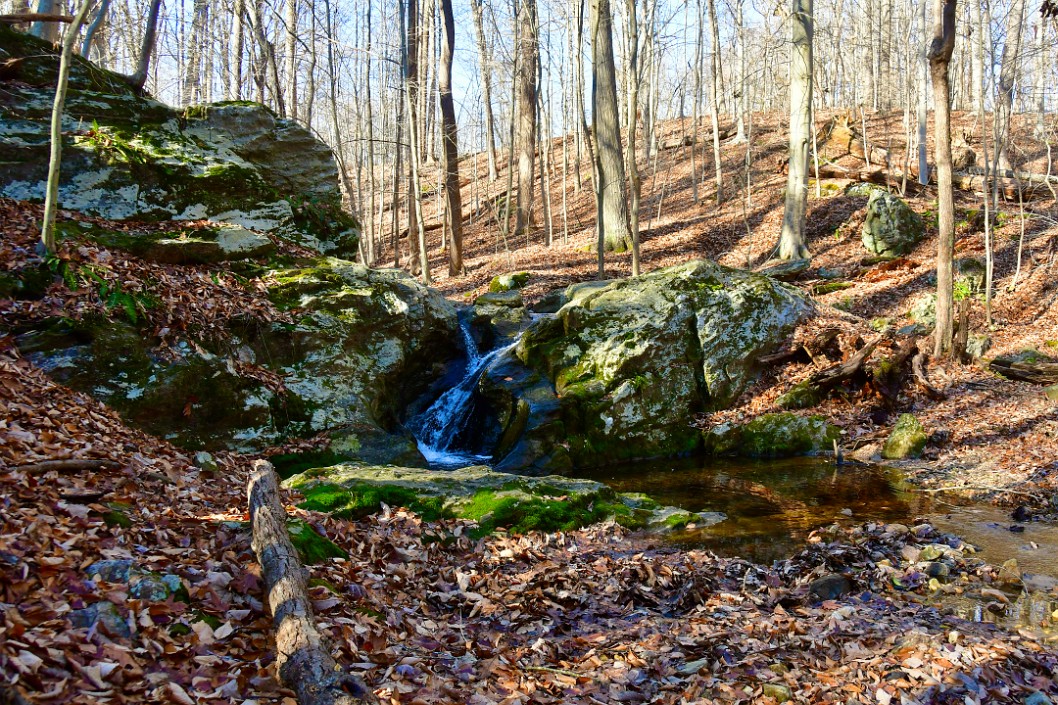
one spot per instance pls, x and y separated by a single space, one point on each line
772 507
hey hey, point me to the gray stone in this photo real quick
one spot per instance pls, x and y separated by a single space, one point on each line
978 345
970 272
150 587
863 189
829 587
786 270
923 309
105 617
111 571
891 228
204 461
781 435
936 569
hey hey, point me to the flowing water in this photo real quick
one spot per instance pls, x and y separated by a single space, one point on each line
437 429
772 507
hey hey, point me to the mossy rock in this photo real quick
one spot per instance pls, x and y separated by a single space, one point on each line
508 282
801 396
891 228
622 368
127 156
781 435
907 440
923 309
496 500
208 245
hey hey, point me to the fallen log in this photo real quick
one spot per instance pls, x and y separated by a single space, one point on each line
815 389
68 465
303 662
1041 372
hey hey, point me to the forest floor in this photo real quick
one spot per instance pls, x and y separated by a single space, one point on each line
997 437
425 614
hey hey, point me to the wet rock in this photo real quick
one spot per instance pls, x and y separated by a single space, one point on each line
105 617
829 587
907 439
932 552
498 317
936 569
779 692
890 228
111 571
551 303
896 530
1010 573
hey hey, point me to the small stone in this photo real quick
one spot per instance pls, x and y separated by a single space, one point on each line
890 228
1010 573
692 667
507 282
150 587
924 309
977 345
829 587
936 569
204 461
105 616
112 571
778 692
922 530
896 530
1051 392
931 552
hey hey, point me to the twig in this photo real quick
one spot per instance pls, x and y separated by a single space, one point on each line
559 671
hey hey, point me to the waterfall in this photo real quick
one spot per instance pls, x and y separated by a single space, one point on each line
436 428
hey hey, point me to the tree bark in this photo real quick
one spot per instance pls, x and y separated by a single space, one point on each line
51 195
940 53
714 99
1007 77
449 137
610 185
792 243
150 35
484 61
633 109
525 136
303 662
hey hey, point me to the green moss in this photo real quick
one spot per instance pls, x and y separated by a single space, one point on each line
517 515
325 584
311 546
360 500
781 435
830 287
907 440
801 396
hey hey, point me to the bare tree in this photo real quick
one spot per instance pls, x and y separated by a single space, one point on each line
792 243
526 78
485 64
150 35
940 53
1005 92
450 142
51 194
610 174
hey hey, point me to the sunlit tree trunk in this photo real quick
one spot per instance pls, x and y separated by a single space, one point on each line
923 98
150 35
610 185
291 56
714 98
235 75
48 31
525 136
940 53
792 243
633 108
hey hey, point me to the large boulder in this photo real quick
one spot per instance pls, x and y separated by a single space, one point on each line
363 344
622 368
126 156
891 228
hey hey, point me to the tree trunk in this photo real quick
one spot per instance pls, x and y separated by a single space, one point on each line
48 31
90 33
633 109
291 58
525 136
51 194
610 185
415 224
792 243
714 99
150 34
1007 77
940 53
235 75
923 98
484 61
449 137
303 661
